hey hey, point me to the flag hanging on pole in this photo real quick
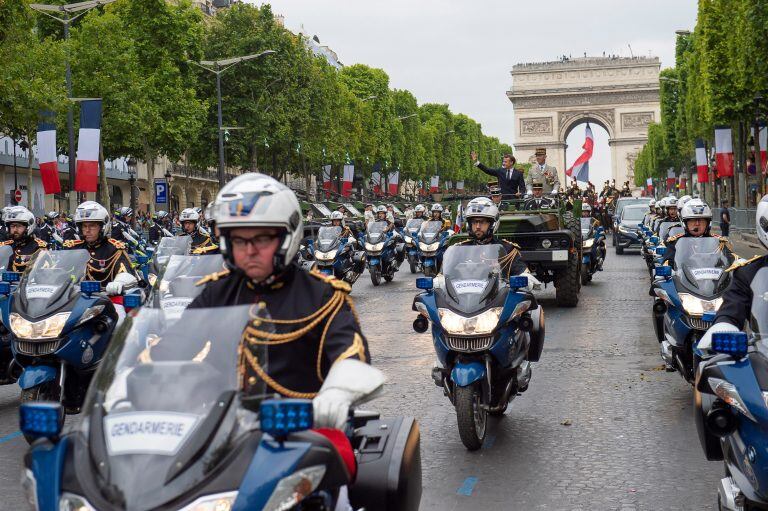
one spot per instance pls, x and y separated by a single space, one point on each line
580 168
434 183
46 154
459 219
763 141
87 175
376 183
671 178
394 182
649 183
723 152
702 167
349 176
327 183
460 186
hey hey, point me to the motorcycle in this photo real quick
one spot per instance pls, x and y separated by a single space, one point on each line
177 286
686 298
730 409
486 330
166 425
61 326
9 371
383 253
411 237
593 250
168 246
336 256
432 245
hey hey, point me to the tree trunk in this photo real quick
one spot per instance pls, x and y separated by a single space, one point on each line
149 155
103 194
254 157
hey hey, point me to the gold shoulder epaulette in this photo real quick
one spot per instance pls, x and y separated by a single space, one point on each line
330 279
739 264
72 243
674 237
117 244
205 250
41 243
515 245
212 277
6 242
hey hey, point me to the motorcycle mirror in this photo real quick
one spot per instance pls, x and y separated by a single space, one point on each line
420 324
425 283
41 419
730 343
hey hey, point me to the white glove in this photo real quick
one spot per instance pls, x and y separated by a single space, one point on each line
114 288
331 408
533 282
348 382
706 341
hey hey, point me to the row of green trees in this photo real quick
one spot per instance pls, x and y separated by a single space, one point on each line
720 68
298 111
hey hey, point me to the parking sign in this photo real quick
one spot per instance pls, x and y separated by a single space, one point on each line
161 191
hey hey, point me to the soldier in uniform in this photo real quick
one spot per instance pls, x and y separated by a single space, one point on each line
313 317
20 223
45 232
190 224
121 225
68 232
697 221
543 173
538 201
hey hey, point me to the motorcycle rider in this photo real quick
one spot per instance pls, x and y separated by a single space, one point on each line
46 231
68 231
419 210
20 223
190 224
156 228
586 212
648 218
121 226
313 314
382 216
672 213
436 215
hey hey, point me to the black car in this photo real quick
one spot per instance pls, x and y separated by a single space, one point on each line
626 233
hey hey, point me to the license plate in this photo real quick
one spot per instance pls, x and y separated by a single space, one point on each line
559 255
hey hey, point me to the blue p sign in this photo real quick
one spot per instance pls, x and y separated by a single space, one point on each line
161 192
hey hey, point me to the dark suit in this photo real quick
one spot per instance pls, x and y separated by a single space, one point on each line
509 186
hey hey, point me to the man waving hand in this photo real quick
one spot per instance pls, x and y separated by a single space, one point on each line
511 180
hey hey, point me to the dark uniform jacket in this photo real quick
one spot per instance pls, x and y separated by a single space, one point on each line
737 299
3 232
155 233
23 251
509 184
69 233
513 263
45 232
198 240
296 368
108 258
118 231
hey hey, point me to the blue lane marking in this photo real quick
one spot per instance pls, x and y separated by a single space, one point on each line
468 486
489 440
6 438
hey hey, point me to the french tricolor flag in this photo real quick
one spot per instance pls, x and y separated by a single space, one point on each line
702 167
349 177
46 154
580 168
87 176
394 182
723 152
434 184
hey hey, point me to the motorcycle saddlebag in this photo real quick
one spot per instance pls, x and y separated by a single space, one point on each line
389 466
537 335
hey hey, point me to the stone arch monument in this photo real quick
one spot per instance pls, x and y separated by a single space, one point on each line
551 98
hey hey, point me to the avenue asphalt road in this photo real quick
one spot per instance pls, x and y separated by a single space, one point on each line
601 427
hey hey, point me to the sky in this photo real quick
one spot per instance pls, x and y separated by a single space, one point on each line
461 52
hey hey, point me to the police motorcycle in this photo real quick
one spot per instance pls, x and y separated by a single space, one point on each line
383 251
411 237
178 285
432 245
9 371
334 255
486 330
167 426
687 298
593 250
166 248
61 326
730 407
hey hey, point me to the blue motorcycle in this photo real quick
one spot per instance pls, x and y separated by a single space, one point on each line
432 244
687 295
593 250
411 238
167 425
336 256
9 371
383 251
486 330
61 325
730 408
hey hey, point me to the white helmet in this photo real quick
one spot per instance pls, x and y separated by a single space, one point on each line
482 207
586 207
20 215
436 207
761 221
338 215
91 211
189 215
671 202
695 208
652 204
420 207
682 201
380 209
257 200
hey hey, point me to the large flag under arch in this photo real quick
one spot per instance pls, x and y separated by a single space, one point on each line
580 168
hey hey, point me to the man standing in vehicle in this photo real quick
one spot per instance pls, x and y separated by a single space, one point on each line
542 173
20 223
511 180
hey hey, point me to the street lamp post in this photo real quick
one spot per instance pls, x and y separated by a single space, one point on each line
66 14
217 67
758 157
131 163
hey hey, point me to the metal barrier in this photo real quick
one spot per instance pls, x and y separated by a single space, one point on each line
741 219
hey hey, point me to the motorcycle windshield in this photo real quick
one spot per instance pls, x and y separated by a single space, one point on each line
50 280
701 264
178 245
327 238
163 409
178 285
471 272
5 256
586 226
429 231
664 229
759 310
375 231
413 225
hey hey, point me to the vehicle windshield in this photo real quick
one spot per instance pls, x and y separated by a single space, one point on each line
177 245
322 209
471 271
327 237
51 276
178 285
429 230
633 214
375 231
759 311
701 264
353 211
664 229
586 225
163 409
623 203
413 225
5 256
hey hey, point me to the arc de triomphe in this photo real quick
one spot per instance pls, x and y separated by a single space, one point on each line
551 98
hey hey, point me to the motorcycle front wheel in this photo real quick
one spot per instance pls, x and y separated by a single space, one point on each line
414 266
375 272
472 417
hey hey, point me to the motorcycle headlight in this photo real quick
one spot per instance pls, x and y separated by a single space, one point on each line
588 243
296 487
374 247
214 502
72 502
408 239
326 256
44 329
728 393
696 306
429 247
483 323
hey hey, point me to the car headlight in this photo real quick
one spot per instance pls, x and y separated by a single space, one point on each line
483 323
44 329
546 243
72 502
588 243
728 393
293 489
431 247
214 502
696 306
326 256
90 313
374 247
